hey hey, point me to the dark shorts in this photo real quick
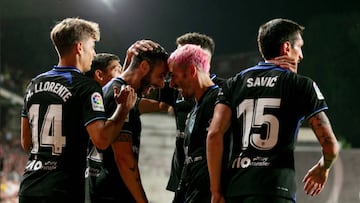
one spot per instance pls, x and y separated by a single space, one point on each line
51 199
258 199
196 196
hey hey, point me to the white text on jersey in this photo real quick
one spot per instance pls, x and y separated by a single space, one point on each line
261 81
54 87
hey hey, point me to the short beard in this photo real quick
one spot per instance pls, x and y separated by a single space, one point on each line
144 83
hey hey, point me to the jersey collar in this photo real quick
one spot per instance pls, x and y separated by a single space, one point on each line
66 68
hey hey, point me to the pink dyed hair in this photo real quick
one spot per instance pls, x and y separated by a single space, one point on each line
191 54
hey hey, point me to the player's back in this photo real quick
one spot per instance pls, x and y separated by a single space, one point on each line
270 103
59 104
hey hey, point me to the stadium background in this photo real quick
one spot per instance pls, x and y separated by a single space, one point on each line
331 54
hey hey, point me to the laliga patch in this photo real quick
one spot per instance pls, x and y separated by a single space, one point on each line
318 93
97 102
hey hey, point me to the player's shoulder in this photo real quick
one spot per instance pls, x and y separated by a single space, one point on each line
298 79
217 80
84 82
210 96
232 81
213 92
108 87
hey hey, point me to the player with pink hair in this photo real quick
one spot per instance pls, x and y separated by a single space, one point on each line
189 70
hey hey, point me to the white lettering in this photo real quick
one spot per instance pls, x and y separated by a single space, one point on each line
53 87
261 81
245 162
33 165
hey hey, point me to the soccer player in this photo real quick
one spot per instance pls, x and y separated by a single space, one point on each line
189 67
264 106
62 108
182 106
120 180
104 67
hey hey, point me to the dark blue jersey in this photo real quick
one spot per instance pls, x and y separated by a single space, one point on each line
59 105
103 181
181 109
268 105
198 122
195 175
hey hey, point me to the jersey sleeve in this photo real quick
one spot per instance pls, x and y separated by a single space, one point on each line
28 93
93 105
312 96
227 94
109 101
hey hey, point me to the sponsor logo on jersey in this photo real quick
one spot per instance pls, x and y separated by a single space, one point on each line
318 92
35 165
244 162
92 172
97 102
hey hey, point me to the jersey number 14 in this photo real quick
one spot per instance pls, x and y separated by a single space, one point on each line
50 134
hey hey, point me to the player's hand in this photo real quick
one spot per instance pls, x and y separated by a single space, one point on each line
315 179
285 62
126 96
143 45
164 106
140 45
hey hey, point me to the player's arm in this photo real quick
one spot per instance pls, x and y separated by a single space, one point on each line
26 141
214 148
128 167
140 45
316 177
147 105
105 132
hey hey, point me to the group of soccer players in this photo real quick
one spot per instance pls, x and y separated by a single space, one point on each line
235 137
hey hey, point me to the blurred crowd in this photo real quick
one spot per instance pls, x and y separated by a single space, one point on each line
12 157
14 79
12 164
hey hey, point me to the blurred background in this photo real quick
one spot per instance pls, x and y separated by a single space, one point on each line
331 55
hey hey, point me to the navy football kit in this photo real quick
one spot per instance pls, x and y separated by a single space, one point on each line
181 107
103 181
268 105
59 104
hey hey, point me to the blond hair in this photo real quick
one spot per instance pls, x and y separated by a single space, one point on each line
72 30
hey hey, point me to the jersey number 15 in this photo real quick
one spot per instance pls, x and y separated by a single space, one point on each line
255 120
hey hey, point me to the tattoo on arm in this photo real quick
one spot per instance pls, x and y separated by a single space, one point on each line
321 126
124 138
134 169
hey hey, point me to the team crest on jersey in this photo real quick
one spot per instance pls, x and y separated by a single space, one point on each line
97 102
318 92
